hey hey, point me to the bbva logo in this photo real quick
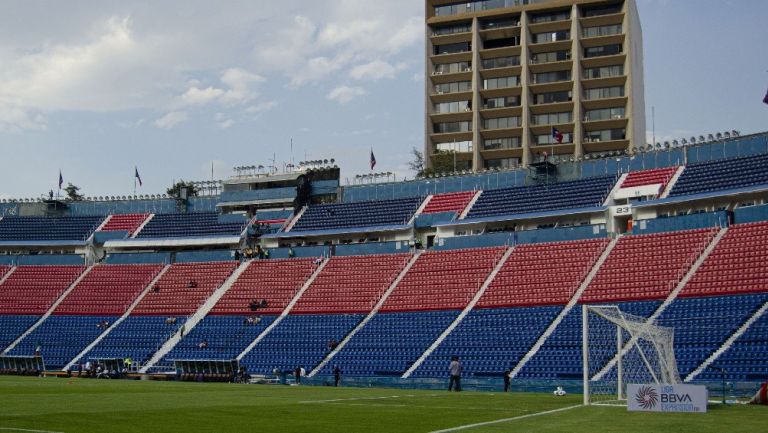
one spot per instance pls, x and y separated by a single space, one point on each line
647 397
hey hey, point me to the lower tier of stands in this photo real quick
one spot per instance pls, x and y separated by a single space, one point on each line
11 327
61 338
137 338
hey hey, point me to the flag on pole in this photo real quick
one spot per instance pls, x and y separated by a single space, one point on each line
557 135
136 175
765 100
61 179
373 160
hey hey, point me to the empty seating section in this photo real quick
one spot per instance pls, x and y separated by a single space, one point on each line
274 281
11 327
655 176
745 359
647 266
390 343
183 288
61 338
351 284
443 280
583 193
33 289
358 214
107 290
542 274
450 202
488 341
199 224
28 228
560 357
124 222
722 174
136 337
4 270
299 341
703 324
738 264
226 337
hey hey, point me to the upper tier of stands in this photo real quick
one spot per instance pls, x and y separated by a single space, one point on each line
450 202
183 288
584 193
351 284
189 225
274 281
33 289
738 264
29 228
107 290
124 222
443 280
359 214
542 274
722 174
647 266
649 177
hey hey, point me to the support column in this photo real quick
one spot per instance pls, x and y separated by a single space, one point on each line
477 162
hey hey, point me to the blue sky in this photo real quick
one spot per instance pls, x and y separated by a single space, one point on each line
96 88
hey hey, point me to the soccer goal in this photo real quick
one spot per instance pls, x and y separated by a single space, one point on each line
620 348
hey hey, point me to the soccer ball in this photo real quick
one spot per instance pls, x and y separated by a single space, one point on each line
559 391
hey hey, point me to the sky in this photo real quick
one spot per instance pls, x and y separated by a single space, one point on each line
97 88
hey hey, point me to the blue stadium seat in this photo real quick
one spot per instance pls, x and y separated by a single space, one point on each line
29 228
358 214
722 174
198 224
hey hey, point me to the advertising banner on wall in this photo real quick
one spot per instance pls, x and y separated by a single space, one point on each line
663 397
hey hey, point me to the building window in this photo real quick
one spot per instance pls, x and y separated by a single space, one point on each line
587 12
501 143
452 68
461 47
552 56
604 114
501 62
551 77
501 82
548 140
501 122
604 92
592 32
501 102
552 118
605 135
501 43
480 5
457 86
499 23
452 29
448 127
502 163
552 97
453 107
603 50
604 72
455 146
540 38
549 17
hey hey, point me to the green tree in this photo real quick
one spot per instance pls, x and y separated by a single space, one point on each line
175 189
73 192
442 162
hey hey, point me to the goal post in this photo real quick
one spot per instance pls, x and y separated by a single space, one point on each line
619 348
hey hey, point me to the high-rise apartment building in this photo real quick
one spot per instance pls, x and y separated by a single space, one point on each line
503 75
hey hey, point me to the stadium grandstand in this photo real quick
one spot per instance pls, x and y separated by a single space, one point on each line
389 281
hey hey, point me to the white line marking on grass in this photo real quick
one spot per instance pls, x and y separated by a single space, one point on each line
357 399
498 421
28 430
427 407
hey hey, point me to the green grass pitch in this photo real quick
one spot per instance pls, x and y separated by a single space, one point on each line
88 405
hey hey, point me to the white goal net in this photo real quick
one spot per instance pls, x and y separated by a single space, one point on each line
620 348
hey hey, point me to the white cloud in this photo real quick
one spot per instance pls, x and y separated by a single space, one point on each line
376 70
344 94
223 121
171 119
261 107
196 96
14 119
239 82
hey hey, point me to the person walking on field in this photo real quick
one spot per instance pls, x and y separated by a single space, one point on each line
454 369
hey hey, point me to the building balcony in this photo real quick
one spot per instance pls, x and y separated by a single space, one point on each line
505 91
451 117
545 47
451 38
597 41
593 104
556 86
591 83
449 97
501 112
604 146
439 77
500 33
488 53
464 56
602 20
501 72
547 129
554 107
502 132
549 26
596 62
615 123
559 65
445 137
